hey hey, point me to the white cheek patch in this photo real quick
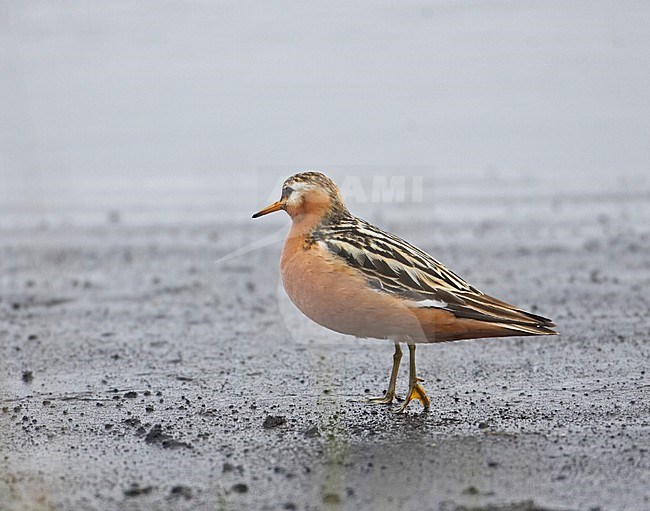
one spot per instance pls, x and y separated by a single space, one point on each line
300 187
438 304
295 198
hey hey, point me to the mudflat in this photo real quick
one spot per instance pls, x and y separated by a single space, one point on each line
147 367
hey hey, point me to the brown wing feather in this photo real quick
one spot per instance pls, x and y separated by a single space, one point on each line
392 265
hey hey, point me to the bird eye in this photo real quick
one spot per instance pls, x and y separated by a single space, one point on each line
286 191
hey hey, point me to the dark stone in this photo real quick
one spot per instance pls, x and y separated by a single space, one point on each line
273 421
136 491
181 491
240 488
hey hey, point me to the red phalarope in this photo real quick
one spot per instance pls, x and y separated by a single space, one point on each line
354 278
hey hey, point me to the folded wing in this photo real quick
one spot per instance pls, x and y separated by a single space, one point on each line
392 265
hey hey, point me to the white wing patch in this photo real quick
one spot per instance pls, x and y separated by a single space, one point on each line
438 304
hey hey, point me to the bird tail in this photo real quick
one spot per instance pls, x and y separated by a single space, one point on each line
475 315
503 316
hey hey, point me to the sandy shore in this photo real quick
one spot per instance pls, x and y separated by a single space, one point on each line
140 373
149 359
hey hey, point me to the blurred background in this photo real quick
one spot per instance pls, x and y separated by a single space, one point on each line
153 111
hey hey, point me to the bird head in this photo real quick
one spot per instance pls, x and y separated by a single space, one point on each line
307 194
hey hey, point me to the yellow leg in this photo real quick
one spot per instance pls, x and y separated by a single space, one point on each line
415 389
390 393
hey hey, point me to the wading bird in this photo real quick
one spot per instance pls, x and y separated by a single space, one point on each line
354 278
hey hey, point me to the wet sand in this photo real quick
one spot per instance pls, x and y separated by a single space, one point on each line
138 372
147 363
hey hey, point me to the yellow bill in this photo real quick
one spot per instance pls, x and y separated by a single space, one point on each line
276 206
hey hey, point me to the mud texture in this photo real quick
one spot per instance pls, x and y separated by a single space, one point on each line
138 372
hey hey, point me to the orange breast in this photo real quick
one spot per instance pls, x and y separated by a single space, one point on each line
337 296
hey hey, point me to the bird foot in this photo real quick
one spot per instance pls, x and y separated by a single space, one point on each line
382 400
416 391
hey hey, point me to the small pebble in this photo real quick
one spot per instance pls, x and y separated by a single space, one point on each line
273 421
240 488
